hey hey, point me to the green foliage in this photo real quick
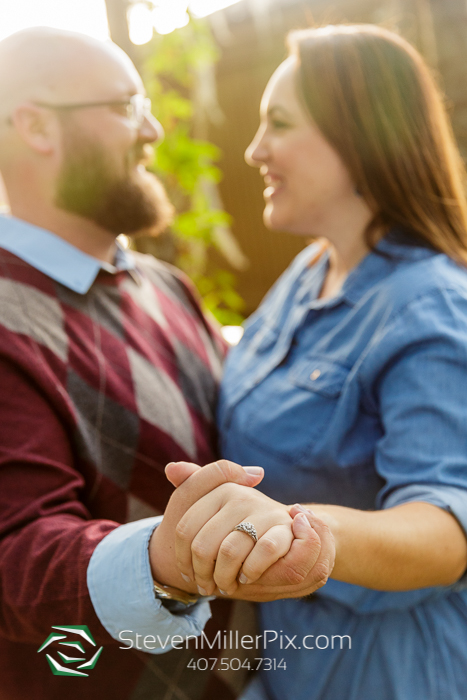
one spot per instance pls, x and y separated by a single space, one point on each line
220 297
187 165
178 54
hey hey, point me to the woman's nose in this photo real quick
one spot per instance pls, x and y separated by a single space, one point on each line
256 153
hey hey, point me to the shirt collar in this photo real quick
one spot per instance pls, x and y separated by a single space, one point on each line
390 252
56 258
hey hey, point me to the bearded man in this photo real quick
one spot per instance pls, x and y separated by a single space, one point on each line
108 371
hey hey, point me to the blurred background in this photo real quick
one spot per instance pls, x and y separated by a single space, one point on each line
205 64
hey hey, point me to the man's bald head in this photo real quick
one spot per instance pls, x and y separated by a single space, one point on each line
69 145
51 65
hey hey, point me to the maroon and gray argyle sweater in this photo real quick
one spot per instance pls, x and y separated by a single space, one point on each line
97 393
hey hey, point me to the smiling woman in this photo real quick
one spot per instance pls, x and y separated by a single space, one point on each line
349 383
309 188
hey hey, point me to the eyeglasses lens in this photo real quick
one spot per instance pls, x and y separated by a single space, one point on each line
138 108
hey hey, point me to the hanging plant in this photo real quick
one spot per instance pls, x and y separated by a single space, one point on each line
187 164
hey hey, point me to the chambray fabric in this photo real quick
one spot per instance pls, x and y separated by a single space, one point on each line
360 400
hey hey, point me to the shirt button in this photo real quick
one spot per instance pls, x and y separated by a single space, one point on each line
315 374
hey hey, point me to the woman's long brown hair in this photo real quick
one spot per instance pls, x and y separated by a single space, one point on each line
375 101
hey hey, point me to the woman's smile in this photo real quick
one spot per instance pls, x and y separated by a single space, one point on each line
274 184
307 185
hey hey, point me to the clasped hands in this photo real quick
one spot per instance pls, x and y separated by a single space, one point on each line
197 549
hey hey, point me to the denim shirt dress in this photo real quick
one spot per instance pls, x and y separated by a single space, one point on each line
359 400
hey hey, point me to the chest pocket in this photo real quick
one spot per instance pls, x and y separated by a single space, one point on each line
290 412
319 375
318 383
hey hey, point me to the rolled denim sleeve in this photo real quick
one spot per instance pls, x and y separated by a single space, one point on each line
448 498
121 589
422 455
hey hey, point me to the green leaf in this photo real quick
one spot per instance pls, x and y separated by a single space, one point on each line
185 164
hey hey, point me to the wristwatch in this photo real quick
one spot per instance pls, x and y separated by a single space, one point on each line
166 593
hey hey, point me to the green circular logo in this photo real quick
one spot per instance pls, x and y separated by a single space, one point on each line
73 640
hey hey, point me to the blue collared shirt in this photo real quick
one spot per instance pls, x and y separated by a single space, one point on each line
56 258
119 574
359 400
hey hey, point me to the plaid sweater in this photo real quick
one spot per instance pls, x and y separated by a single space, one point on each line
98 392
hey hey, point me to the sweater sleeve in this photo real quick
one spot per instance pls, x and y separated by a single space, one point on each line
47 534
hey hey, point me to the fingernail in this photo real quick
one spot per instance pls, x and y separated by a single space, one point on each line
302 521
254 471
303 510
223 592
243 579
169 463
201 591
186 578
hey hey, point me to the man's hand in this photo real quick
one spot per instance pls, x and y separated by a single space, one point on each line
305 568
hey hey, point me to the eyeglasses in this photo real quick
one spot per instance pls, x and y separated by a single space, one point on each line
136 108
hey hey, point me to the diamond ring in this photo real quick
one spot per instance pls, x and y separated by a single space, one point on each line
248 528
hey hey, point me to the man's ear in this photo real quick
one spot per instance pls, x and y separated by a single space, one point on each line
37 126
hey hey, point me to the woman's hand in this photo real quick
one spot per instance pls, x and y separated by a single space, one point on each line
192 482
305 568
209 550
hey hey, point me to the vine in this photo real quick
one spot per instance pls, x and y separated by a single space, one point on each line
187 164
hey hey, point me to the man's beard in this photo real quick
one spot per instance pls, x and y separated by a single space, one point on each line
88 186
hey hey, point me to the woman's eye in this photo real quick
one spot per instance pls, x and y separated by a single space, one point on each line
278 124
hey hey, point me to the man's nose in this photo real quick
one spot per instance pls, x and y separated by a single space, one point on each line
151 130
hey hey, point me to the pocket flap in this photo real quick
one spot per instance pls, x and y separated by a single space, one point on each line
318 374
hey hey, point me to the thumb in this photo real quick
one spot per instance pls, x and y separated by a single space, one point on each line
178 472
205 479
299 560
